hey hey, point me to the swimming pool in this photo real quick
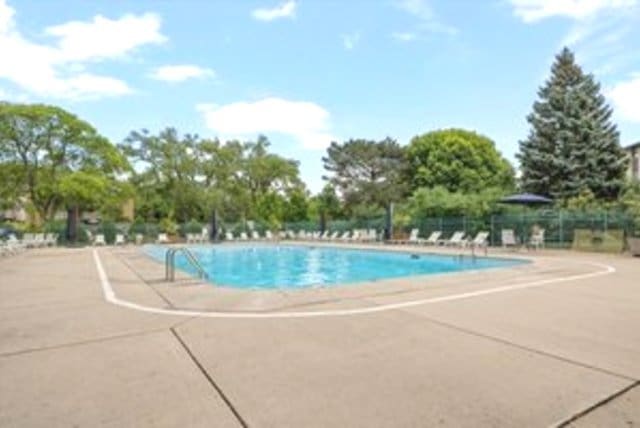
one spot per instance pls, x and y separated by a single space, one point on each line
264 266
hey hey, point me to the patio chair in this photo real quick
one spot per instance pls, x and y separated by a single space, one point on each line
204 235
139 238
14 245
334 236
268 235
355 236
40 240
228 236
508 238
99 239
119 239
255 235
480 241
345 236
433 238
243 236
162 238
537 239
324 235
413 237
455 239
51 239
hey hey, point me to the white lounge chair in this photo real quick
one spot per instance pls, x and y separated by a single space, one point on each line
334 235
99 239
268 235
433 238
119 239
162 238
345 236
14 245
480 241
139 238
51 239
455 239
537 239
508 238
228 236
204 235
243 236
255 235
40 240
413 237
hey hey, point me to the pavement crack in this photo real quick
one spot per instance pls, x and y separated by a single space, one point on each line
519 346
80 343
210 379
598 404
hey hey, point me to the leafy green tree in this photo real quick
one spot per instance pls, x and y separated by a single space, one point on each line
168 167
441 202
457 160
186 177
573 145
44 146
367 172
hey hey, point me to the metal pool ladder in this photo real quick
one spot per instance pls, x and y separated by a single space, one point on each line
170 263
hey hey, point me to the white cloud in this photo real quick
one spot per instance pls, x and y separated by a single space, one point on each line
404 36
285 10
625 96
428 20
103 38
536 10
601 31
349 41
306 122
180 73
58 69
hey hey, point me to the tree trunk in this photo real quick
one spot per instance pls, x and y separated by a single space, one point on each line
388 230
213 234
72 224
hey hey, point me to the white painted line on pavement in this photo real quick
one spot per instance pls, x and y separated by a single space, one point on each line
111 297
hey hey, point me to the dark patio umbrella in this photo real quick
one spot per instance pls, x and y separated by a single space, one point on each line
525 199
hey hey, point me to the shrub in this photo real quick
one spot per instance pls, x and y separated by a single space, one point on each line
169 226
109 230
190 227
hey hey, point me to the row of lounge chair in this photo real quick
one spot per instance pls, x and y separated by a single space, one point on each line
508 238
357 235
13 245
457 239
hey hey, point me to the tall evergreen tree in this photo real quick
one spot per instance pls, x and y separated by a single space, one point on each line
573 146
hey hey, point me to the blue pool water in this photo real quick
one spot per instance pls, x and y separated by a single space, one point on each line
264 266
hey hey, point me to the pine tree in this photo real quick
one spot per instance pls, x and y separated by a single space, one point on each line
573 146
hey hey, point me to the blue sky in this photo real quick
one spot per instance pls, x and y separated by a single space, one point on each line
306 72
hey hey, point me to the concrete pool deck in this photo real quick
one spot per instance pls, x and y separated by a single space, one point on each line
551 343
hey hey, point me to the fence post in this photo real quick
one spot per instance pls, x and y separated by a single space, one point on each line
491 234
561 237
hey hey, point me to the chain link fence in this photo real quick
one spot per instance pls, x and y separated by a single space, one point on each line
604 230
